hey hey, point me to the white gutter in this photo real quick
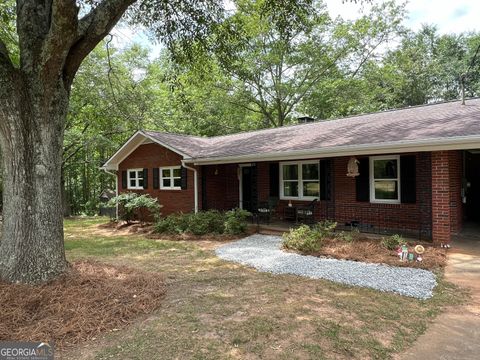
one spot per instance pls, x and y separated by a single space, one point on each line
454 143
116 189
195 183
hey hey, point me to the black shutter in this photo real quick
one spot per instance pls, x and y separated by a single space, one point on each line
145 178
274 180
204 188
326 179
184 178
408 186
156 178
124 179
254 186
362 185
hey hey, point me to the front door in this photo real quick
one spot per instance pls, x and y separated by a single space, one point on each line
472 174
249 188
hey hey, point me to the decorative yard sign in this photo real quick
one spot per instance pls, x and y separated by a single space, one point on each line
352 167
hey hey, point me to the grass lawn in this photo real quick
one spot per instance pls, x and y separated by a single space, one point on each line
219 310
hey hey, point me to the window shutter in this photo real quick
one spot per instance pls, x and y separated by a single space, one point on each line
124 179
362 185
204 188
274 180
183 183
145 178
326 179
408 186
254 186
156 178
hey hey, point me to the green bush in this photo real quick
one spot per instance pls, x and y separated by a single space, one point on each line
393 242
236 221
204 222
304 239
325 228
133 205
173 224
348 236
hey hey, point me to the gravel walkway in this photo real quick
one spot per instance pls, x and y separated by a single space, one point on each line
263 253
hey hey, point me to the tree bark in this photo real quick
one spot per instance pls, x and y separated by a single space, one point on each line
33 106
31 139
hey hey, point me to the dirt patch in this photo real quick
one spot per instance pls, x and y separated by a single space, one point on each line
90 299
113 228
372 251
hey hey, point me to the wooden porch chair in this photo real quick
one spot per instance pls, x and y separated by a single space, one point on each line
306 214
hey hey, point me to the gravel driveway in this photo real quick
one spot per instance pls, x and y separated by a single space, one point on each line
264 254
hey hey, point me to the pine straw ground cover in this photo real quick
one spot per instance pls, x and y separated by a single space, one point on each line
368 249
92 298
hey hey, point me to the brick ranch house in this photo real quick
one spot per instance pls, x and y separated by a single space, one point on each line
418 169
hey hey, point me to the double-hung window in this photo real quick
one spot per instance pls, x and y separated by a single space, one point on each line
300 180
135 179
170 178
385 179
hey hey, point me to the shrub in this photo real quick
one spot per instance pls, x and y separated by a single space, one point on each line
173 224
393 242
206 222
325 228
304 239
348 237
236 221
133 204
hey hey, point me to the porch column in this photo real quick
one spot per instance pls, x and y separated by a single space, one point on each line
441 215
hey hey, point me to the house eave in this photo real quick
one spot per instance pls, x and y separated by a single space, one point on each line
453 143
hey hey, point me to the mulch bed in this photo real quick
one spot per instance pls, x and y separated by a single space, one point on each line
372 251
92 298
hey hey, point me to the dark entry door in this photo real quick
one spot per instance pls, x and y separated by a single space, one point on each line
249 188
472 174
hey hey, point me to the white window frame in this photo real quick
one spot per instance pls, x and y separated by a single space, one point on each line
372 180
171 177
137 179
300 180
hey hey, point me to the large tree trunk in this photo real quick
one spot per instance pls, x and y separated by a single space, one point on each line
53 42
31 138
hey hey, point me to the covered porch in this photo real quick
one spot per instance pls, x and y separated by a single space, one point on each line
419 195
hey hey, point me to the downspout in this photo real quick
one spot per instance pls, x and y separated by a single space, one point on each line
195 183
116 190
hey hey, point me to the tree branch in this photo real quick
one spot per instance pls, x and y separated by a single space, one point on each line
6 70
5 62
91 30
61 35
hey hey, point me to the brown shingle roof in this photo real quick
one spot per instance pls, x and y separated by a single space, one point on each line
415 124
187 144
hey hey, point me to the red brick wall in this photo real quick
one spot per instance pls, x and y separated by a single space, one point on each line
151 156
401 217
441 219
222 186
438 208
456 206
222 193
